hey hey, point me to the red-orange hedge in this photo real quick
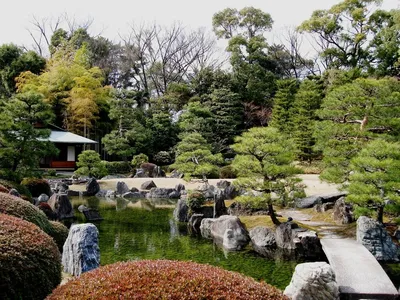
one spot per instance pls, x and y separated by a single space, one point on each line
164 279
30 263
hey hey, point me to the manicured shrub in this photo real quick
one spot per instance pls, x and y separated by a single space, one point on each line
29 259
162 158
50 214
20 188
118 167
3 189
60 234
17 207
36 186
91 165
164 279
139 159
227 172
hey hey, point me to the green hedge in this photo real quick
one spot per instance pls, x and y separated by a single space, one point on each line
30 261
118 167
164 279
60 234
36 186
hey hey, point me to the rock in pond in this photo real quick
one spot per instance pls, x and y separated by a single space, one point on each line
195 222
228 229
313 281
92 187
122 188
147 185
81 251
181 211
262 236
61 205
376 239
159 193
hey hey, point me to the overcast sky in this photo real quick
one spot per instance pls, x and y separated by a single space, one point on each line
113 16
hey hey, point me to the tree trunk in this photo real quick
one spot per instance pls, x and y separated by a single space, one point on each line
272 215
379 216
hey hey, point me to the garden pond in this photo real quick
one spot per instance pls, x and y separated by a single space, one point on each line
144 229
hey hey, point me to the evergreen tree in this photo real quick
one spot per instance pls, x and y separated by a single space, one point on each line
264 163
375 176
307 100
22 144
282 113
194 157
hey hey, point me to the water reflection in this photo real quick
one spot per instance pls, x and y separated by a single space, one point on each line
145 229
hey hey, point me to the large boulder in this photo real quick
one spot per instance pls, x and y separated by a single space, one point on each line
284 236
313 281
308 244
223 184
180 187
310 201
92 187
262 236
159 193
181 211
81 251
140 173
342 212
42 198
174 194
228 229
230 192
376 239
148 185
195 222
61 205
122 188
176 174
133 195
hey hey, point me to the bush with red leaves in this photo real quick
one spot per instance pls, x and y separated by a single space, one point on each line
44 207
3 189
29 259
164 279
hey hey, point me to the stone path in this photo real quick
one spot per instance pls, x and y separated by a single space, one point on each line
358 273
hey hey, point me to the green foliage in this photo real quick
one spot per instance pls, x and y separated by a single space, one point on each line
60 234
20 188
194 157
363 211
19 208
282 113
13 61
306 102
264 162
353 114
227 172
253 202
375 174
91 165
195 200
118 167
139 159
159 279
162 158
36 186
30 261
23 145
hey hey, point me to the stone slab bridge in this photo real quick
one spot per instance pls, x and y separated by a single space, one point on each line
358 273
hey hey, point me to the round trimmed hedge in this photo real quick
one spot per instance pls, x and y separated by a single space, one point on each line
36 186
164 279
17 207
60 234
29 259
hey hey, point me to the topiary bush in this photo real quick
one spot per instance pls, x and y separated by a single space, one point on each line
60 234
118 167
20 188
164 279
162 158
50 214
36 186
29 259
139 159
195 200
17 207
227 172
90 164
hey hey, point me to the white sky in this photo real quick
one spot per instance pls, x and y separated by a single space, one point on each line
114 16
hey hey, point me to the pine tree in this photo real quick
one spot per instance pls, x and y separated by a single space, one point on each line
307 100
282 113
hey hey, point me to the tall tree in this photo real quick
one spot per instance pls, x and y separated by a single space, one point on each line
375 176
307 101
22 144
264 163
282 113
13 61
352 115
194 157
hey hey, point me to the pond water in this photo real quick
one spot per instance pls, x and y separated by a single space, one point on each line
146 230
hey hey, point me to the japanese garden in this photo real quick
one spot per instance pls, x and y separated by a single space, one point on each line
161 166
